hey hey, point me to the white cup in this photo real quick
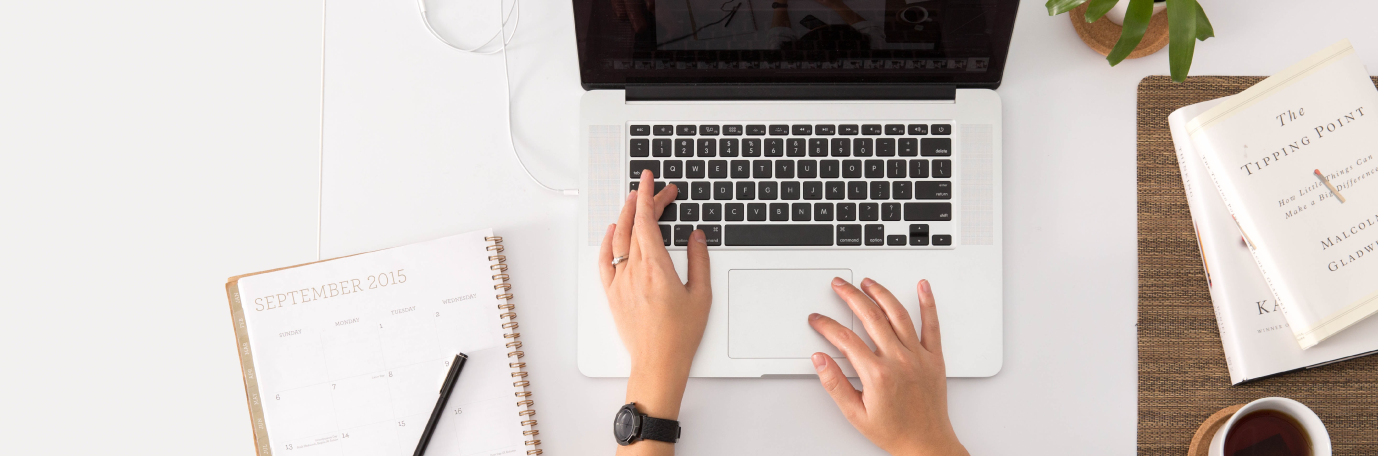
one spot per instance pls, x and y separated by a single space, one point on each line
1310 424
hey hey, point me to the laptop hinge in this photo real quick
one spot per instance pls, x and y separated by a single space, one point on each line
713 92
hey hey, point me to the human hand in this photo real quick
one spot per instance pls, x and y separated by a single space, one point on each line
902 407
660 319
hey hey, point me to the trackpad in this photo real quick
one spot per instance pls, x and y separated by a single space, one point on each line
768 311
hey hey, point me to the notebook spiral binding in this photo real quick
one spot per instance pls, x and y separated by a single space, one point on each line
509 326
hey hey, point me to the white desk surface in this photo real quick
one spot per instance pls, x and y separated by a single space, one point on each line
149 150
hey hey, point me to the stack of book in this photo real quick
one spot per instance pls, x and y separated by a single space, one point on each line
1282 183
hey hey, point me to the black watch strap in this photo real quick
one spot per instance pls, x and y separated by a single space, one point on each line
659 429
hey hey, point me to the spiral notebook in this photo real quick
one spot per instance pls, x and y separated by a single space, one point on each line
346 356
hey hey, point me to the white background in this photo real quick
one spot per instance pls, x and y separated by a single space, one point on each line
149 150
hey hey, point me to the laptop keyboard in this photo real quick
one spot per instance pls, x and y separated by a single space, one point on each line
859 185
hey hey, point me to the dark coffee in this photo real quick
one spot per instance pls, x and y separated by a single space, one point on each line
1267 433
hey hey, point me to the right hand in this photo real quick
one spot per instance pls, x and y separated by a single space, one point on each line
903 408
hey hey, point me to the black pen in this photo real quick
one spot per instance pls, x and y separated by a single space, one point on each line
446 387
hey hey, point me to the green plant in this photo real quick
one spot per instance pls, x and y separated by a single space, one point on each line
1186 23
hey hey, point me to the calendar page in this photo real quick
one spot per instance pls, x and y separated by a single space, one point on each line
347 356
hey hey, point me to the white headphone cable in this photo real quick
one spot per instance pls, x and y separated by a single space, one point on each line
503 39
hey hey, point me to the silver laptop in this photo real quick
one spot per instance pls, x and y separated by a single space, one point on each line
808 143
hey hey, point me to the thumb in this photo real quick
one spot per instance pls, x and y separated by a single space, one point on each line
844 394
698 263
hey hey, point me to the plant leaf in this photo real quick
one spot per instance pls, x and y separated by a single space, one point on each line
1181 27
1135 24
1098 8
1056 7
1203 25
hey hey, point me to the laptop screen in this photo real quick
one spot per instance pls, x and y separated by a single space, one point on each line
961 42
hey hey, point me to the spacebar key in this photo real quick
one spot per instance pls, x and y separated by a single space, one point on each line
782 235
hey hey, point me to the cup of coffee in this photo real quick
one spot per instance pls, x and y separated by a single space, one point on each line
1272 426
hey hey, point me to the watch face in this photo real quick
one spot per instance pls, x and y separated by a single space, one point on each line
624 426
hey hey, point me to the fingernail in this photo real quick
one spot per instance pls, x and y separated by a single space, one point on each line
699 237
837 282
820 362
867 282
631 195
814 316
611 227
923 285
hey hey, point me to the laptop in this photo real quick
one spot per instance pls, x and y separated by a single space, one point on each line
856 140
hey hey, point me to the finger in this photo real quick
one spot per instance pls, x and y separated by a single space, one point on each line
647 243
698 264
622 236
619 9
638 17
872 318
663 199
932 337
605 267
842 338
846 396
899 317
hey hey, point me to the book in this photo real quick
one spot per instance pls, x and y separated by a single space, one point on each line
1253 332
1262 148
346 356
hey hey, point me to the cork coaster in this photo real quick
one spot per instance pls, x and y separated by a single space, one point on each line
1201 442
1102 34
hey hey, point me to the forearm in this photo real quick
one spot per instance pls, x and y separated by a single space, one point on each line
780 18
657 392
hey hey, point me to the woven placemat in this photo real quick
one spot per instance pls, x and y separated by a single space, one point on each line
1182 374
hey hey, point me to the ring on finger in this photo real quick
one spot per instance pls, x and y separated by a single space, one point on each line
619 259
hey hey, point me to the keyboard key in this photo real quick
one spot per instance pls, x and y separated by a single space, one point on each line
756 212
846 212
895 239
689 212
732 130
935 147
825 129
760 169
659 185
890 212
800 212
885 147
909 147
708 130
918 168
663 130
701 190
779 130
918 234
813 190
638 165
779 235
717 169
784 169
880 190
894 169
741 169
755 130
736 212
932 190
746 190
686 130
795 147
942 129
682 233
870 212
808 169
875 169
923 212
835 190
641 130
789 190
775 147
779 212
875 234
660 147
823 212
894 129
712 234
684 147
941 239
674 169
751 147
641 148
918 129
903 190
856 190
870 129
802 130
851 169
729 147
829 169
850 129
722 190
848 235
681 190
669 213
712 212
694 169
942 168
665 234
818 147
862 147
841 147
708 148
768 190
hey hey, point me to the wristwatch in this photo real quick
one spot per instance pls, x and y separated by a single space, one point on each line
631 426
778 5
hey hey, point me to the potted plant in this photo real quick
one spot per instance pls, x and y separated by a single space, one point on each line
1186 24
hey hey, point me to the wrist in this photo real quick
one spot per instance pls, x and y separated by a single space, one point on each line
657 392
